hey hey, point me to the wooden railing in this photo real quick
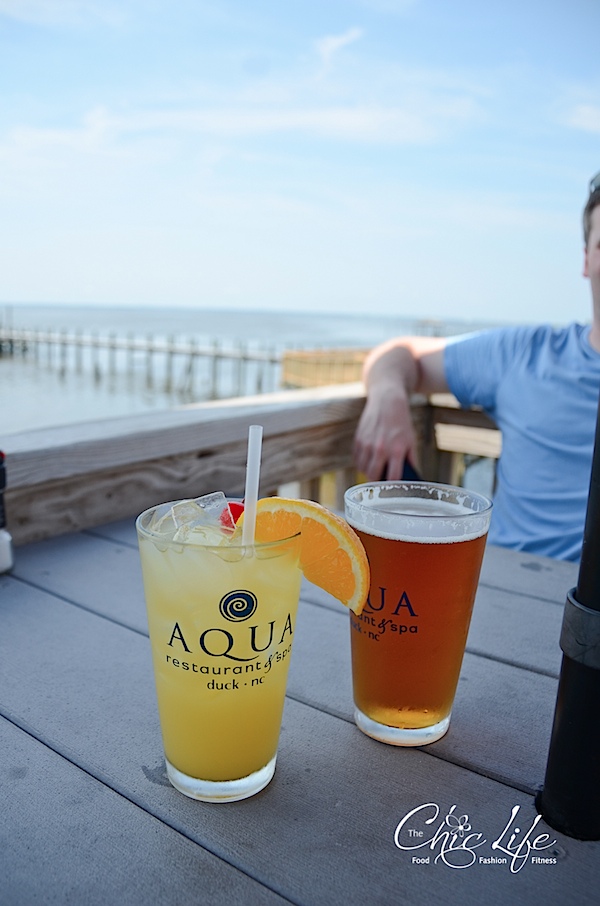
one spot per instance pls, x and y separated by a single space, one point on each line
73 477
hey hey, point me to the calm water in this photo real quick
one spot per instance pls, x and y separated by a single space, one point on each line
41 394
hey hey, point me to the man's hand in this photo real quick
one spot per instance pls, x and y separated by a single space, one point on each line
385 436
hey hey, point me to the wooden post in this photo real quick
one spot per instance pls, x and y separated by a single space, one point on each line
78 352
214 371
63 347
186 387
149 361
272 367
169 365
311 489
129 363
95 360
239 384
112 355
260 375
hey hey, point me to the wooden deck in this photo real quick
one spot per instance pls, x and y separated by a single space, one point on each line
88 815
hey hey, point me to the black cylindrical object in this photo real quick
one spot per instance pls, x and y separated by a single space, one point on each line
2 487
570 798
588 583
6 547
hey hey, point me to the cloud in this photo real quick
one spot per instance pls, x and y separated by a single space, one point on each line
61 12
102 133
94 134
330 45
409 124
585 117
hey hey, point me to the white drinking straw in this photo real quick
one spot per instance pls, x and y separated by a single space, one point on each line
255 434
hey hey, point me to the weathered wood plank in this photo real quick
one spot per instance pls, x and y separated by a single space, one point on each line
121 530
68 838
447 410
37 457
71 504
475 441
323 831
91 572
518 629
528 574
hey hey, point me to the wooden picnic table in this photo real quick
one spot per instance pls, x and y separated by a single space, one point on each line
88 816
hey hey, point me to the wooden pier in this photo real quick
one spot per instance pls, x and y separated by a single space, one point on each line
186 368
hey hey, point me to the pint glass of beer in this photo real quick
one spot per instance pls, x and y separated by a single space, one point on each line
425 545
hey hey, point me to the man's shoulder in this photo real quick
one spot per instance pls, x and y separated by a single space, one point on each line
495 341
510 339
478 365
569 344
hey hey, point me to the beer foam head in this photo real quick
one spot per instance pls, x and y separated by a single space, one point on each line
417 511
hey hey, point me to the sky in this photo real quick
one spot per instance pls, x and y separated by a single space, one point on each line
424 158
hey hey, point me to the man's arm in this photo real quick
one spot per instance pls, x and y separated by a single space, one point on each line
385 435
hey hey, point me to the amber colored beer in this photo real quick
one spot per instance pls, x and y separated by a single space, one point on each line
425 555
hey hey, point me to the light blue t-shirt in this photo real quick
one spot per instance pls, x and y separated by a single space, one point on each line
540 385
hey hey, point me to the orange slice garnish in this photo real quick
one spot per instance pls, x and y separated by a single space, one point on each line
331 554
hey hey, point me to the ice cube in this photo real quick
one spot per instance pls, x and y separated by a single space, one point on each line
162 523
187 513
208 517
216 507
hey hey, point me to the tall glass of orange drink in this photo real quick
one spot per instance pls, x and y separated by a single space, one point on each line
221 616
425 545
